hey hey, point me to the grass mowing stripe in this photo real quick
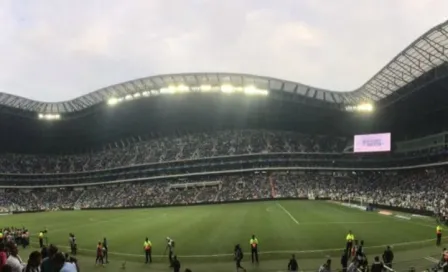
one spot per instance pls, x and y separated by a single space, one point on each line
288 213
262 252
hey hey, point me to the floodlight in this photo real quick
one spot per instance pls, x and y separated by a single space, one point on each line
183 88
49 116
366 107
137 95
251 90
206 88
169 90
145 93
112 101
128 97
227 89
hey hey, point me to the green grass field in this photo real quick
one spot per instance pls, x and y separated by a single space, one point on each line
205 235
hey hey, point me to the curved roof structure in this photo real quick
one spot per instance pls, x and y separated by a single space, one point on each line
426 53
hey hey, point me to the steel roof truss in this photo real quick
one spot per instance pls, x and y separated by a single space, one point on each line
64 105
119 91
389 79
399 76
407 68
136 87
378 91
402 71
104 94
421 52
433 45
335 97
443 32
421 61
415 61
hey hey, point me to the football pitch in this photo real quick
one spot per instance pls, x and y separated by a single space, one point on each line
205 235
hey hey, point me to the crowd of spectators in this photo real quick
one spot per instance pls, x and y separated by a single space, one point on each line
190 146
419 189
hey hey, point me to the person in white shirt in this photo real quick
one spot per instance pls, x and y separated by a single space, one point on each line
14 259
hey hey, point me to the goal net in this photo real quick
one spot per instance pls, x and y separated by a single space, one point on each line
357 200
360 202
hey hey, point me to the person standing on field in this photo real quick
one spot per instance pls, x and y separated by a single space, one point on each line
293 266
176 264
349 241
388 257
41 239
106 250
170 247
254 248
344 261
377 266
439 235
147 248
238 258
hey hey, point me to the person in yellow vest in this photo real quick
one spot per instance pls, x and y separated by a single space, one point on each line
254 248
147 247
439 235
349 240
41 239
1 236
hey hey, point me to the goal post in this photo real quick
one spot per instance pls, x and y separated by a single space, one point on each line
360 202
357 200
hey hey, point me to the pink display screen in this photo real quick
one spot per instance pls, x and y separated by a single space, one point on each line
372 143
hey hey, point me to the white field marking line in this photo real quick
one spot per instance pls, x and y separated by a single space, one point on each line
288 213
342 222
261 253
431 259
414 223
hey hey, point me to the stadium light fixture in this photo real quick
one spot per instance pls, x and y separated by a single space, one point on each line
173 89
167 90
251 90
49 116
363 107
205 88
183 88
227 89
366 107
112 101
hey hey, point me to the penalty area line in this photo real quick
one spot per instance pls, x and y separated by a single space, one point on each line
261 253
288 213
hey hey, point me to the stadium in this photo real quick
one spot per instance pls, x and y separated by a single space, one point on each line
210 159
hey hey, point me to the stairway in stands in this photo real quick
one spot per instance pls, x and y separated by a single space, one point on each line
271 181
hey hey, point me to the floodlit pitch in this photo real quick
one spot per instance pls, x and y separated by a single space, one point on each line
205 235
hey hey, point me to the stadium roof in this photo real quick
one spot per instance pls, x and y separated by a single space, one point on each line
426 53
